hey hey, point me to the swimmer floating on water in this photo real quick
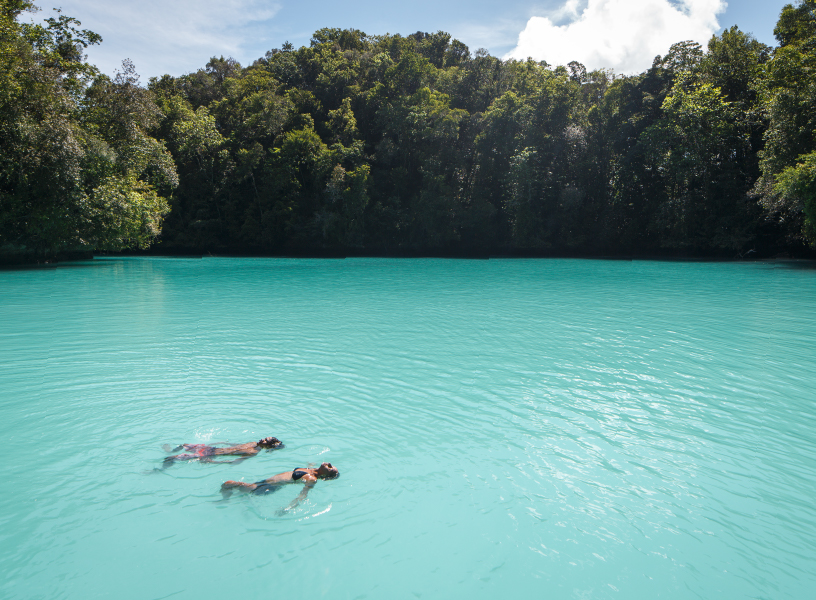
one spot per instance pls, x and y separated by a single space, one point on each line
305 475
206 453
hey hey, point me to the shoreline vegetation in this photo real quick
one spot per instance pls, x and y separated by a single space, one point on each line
390 145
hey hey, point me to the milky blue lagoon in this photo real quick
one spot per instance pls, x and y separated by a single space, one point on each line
504 428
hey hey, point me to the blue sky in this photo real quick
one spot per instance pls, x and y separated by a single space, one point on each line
179 36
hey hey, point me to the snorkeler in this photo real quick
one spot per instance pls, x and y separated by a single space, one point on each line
305 475
206 453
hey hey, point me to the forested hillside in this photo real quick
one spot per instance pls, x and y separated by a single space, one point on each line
383 144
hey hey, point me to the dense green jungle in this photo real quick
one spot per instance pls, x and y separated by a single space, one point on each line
408 145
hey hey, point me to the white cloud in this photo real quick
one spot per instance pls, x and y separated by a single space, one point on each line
624 35
568 10
168 36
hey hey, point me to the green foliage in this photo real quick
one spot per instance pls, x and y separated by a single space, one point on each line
790 137
693 146
78 167
124 212
796 23
342 123
410 144
797 185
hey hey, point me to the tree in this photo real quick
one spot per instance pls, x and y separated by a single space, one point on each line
797 186
791 134
693 146
77 169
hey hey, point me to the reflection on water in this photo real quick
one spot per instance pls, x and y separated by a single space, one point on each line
556 428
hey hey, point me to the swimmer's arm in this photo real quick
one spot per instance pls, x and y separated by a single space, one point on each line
309 481
226 445
248 449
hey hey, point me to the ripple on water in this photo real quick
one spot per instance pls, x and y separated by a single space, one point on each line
579 429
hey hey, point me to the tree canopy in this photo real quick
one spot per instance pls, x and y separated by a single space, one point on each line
386 144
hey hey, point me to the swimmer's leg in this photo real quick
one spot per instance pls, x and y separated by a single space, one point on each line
228 486
168 461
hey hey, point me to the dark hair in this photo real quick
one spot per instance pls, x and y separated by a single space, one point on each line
269 441
335 475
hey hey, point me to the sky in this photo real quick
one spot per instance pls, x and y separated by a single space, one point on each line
179 36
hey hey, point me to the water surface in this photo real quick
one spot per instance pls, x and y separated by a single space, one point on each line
544 428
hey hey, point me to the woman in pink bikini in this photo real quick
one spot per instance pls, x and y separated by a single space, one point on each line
206 453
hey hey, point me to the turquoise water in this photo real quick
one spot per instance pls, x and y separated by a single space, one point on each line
540 428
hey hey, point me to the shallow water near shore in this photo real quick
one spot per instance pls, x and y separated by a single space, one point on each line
546 428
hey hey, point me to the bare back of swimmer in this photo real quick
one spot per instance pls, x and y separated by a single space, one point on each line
206 453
